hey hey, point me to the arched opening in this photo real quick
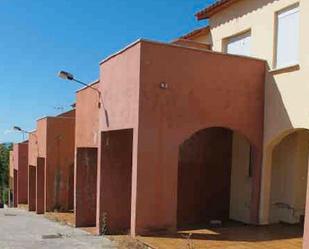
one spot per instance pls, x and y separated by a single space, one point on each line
214 178
289 170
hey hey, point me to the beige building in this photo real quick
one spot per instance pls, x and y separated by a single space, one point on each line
276 31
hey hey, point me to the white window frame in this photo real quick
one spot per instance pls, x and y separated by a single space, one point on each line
235 37
286 11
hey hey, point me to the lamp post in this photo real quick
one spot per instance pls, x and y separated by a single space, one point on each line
68 76
18 129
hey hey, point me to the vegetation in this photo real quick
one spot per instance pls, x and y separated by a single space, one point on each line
4 171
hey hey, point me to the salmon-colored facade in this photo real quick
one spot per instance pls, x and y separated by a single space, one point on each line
156 96
175 135
51 163
86 150
11 179
20 173
32 163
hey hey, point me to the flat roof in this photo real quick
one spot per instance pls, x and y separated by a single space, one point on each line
175 45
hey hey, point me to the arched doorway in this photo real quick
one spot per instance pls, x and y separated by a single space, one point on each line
214 178
289 170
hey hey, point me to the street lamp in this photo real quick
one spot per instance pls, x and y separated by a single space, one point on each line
68 76
17 128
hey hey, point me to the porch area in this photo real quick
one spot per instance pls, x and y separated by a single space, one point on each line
231 236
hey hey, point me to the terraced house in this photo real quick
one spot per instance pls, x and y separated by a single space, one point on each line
209 128
276 31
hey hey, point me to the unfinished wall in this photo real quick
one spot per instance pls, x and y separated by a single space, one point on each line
11 169
120 91
286 89
204 177
39 156
182 91
15 192
289 179
40 185
86 187
87 117
241 180
11 178
116 168
32 162
86 155
20 151
32 188
59 163
203 89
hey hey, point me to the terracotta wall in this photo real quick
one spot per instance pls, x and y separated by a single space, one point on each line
59 163
15 194
55 146
120 91
204 89
32 163
11 164
170 92
116 163
204 177
192 44
32 188
40 185
85 187
87 117
86 155
32 148
20 152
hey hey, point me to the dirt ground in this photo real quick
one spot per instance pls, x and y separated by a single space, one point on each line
279 236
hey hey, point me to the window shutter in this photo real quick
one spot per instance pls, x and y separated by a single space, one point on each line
287 38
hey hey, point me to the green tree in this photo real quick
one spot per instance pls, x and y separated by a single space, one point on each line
4 171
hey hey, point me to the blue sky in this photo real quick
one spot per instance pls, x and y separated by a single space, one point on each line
39 38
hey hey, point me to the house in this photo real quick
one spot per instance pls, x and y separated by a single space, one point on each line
164 104
273 30
19 159
51 164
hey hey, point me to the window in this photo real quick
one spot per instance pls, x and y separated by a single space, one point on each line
240 44
287 37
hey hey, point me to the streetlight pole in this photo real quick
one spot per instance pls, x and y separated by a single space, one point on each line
68 76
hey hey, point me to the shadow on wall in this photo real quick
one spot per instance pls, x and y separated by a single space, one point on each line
277 119
247 7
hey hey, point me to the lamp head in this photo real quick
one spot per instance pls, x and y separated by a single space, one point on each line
65 75
16 128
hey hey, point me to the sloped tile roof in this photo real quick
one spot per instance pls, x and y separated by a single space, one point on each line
214 8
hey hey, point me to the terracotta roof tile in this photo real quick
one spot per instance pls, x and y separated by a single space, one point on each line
196 32
214 8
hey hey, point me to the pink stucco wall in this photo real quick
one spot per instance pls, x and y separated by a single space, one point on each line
87 117
32 163
120 92
59 163
52 149
201 89
20 154
86 153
